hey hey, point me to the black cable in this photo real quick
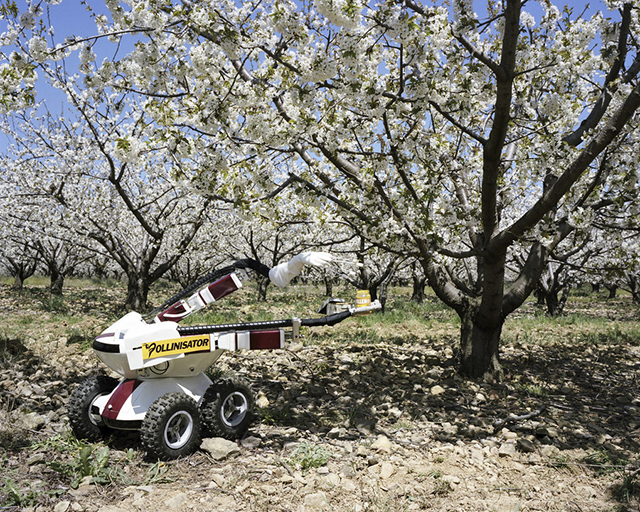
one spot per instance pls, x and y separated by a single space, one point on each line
266 324
246 263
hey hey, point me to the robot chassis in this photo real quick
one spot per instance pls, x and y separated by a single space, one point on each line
164 392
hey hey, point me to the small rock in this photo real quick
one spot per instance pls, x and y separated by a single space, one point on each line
526 446
218 480
347 471
509 435
62 506
251 442
331 479
507 449
364 426
336 432
477 454
316 501
34 421
437 390
395 412
220 448
35 459
387 470
269 490
176 501
451 479
450 429
262 401
382 444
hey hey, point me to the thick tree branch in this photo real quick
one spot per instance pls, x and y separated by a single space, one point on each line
564 183
601 105
492 154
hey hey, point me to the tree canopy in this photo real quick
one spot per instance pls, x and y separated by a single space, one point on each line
457 138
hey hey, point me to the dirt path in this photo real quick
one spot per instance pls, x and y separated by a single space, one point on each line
347 428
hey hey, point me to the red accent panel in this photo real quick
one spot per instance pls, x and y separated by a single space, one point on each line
222 287
119 397
176 309
264 340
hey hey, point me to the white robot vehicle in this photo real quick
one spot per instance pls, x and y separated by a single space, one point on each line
164 392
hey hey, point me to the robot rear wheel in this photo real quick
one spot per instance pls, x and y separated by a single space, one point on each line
227 408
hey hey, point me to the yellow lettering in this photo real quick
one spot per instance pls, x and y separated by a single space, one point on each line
176 346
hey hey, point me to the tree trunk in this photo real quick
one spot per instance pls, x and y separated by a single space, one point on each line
21 272
57 282
137 293
553 304
263 284
634 285
57 278
479 349
18 282
613 290
419 284
328 286
382 296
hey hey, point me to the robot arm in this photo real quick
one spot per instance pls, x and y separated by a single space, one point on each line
228 280
282 274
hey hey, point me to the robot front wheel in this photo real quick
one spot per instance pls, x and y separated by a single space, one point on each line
171 427
227 408
84 423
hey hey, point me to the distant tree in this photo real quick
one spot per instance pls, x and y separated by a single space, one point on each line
107 189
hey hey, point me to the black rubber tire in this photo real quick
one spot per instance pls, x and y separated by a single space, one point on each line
227 408
172 427
83 424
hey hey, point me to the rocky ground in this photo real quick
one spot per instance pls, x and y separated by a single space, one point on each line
383 426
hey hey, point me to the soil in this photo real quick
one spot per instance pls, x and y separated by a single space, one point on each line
339 426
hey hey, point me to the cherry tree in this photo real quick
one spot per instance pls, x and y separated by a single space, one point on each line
446 135
17 254
105 190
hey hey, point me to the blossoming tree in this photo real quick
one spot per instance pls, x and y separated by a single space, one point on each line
446 135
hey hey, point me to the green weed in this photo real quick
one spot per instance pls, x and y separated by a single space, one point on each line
16 495
158 473
622 468
53 304
90 461
532 389
80 338
308 455
276 415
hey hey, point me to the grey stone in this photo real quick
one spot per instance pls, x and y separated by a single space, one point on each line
507 449
316 501
219 448
62 506
526 446
35 459
251 442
